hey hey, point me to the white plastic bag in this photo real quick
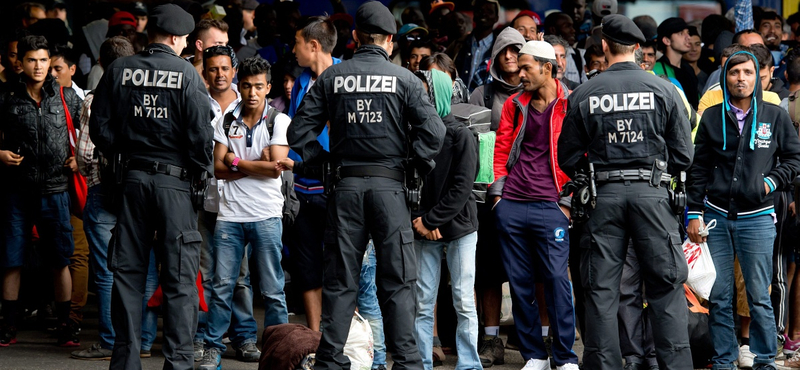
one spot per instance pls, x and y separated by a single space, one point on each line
506 315
702 273
359 345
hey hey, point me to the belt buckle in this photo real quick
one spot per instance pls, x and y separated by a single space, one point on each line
154 170
184 174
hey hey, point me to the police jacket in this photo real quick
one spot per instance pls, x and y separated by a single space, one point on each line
153 106
511 133
625 118
39 133
447 202
731 168
370 104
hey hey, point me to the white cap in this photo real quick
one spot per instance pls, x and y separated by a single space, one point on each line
540 49
602 8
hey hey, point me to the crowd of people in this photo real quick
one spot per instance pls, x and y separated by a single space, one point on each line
309 126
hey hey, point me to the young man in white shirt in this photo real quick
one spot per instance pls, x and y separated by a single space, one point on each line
251 204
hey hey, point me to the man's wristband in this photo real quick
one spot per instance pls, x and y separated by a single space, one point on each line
235 164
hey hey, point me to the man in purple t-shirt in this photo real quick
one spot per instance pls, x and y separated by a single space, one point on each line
532 219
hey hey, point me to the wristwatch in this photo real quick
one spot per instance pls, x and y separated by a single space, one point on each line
235 165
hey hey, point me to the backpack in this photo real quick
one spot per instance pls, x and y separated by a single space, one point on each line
291 205
479 120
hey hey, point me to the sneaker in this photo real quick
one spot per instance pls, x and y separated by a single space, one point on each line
535 364
94 353
8 336
68 336
438 356
790 346
212 359
380 367
248 353
792 362
746 357
198 351
568 367
765 367
145 353
492 351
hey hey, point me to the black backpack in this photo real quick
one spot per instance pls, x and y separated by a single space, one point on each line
291 205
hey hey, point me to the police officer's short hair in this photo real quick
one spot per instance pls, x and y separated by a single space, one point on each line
321 29
31 43
615 48
556 40
113 49
254 66
365 38
442 61
638 56
763 55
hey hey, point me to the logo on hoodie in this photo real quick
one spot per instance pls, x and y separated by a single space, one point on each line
764 133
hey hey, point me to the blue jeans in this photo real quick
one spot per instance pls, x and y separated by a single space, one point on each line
750 239
51 215
243 328
368 306
97 224
460 254
230 239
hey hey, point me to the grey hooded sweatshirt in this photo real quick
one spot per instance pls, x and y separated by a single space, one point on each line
499 90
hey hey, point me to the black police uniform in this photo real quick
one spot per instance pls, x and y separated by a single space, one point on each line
626 119
153 108
370 102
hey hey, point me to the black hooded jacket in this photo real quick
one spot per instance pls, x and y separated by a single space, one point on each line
730 168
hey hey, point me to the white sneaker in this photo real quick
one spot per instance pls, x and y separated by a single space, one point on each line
746 357
534 364
568 367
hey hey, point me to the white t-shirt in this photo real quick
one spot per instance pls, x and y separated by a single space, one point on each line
252 198
214 192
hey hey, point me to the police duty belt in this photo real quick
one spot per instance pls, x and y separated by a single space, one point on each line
628 175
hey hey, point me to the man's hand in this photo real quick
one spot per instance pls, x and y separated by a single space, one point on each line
284 164
694 231
565 210
792 210
766 188
434 235
265 154
72 164
495 201
10 158
229 157
419 227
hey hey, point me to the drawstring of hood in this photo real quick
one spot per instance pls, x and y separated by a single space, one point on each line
726 105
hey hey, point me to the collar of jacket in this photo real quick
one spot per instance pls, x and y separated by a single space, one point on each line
157 47
372 50
50 85
623 66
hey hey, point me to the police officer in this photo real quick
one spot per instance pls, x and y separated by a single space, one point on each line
370 104
631 127
153 109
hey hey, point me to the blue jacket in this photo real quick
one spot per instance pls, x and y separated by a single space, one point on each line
302 184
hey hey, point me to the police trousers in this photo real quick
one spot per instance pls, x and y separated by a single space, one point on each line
642 213
359 207
156 212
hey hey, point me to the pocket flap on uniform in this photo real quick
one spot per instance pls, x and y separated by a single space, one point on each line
407 236
192 236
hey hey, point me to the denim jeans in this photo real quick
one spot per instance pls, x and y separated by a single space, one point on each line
243 328
368 306
97 224
460 255
750 239
230 239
